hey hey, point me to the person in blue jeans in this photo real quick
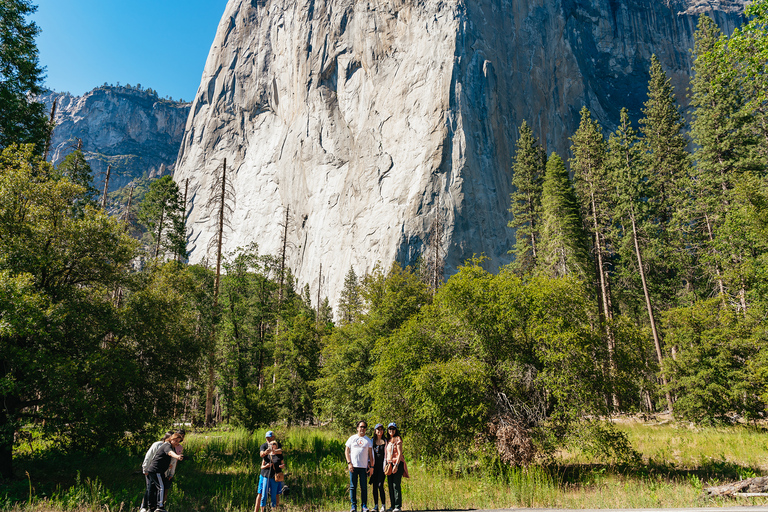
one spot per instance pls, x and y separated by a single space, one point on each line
271 464
359 455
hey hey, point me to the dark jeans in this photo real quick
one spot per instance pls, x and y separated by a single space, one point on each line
395 492
361 475
377 480
156 489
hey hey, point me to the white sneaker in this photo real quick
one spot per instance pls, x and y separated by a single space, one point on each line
383 509
143 510
395 509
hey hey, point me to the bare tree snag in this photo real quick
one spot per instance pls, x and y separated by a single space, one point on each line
106 188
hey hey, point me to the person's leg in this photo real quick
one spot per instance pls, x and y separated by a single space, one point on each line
397 499
147 491
154 492
353 489
364 488
264 491
273 491
379 488
279 492
258 495
160 491
390 480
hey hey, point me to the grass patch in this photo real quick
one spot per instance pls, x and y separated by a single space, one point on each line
221 474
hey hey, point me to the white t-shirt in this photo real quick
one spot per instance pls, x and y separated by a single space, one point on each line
358 450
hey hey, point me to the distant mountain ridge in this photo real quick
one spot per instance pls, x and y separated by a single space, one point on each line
130 128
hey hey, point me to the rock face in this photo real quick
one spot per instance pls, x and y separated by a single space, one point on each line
133 130
367 120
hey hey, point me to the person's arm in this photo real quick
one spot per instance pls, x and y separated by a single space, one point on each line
397 452
371 460
173 453
348 456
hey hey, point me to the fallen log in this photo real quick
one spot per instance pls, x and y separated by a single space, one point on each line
746 486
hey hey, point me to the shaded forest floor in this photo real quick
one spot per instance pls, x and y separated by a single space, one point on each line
221 473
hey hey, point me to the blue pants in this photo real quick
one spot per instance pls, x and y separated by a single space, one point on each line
360 474
269 486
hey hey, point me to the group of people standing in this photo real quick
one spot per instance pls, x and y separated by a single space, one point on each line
271 477
159 468
368 461
374 460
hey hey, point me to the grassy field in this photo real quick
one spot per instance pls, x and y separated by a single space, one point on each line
221 475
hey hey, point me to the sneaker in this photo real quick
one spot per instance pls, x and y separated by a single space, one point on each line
143 510
383 509
353 509
365 509
396 509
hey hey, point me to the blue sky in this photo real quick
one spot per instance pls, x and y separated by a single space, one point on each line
160 44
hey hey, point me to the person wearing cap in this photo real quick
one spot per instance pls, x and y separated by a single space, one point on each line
377 479
270 451
359 456
394 455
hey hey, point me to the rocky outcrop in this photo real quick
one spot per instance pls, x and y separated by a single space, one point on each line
133 130
367 120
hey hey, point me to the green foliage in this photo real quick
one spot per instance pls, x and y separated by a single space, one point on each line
350 301
564 249
350 353
527 178
708 373
23 120
162 212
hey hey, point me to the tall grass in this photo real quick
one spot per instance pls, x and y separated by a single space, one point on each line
221 469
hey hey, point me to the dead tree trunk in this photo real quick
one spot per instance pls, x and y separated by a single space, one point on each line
106 188
747 486
211 388
651 318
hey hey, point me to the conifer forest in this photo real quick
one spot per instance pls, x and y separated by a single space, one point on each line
639 284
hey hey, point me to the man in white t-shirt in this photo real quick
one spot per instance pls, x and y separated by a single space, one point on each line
359 455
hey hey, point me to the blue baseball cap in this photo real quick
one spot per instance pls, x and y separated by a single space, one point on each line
270 434
378 425
392 425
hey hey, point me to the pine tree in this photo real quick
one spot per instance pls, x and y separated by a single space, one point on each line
350 301
631 214
527 178
667 165
724 145
23 119
563 242
162 213
592 186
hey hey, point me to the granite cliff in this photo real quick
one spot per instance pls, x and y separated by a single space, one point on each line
133 130
367 120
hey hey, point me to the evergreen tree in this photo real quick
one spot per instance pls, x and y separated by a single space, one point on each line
725 146
747 52
632 217
162 213
563 242
592 185
667 164
350 300
23 119
527 178
76 168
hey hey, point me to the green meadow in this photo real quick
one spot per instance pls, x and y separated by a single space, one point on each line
221 473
